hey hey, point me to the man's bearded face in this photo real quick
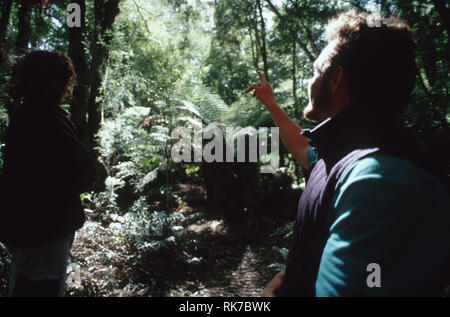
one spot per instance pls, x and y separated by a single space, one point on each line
319 99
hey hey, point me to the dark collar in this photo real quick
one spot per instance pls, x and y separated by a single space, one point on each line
49 113
357 129
348 130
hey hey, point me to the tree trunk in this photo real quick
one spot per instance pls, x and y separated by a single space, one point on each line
294 80
254 55
309 37
23 38
6 12
24 29
258 45
4 20
78 105
263 40
105 13
168 119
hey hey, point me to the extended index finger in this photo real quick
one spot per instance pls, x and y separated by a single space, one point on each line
261 77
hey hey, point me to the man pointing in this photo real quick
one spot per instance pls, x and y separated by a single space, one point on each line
372 196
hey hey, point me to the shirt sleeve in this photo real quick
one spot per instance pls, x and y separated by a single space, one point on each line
387 212
311 157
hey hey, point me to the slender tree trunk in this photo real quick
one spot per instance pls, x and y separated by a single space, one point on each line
23 38
6 12
309 37
24 29
168 119
254 55
263 40
4 21
294 79
257 37
105 13
78 105
39 20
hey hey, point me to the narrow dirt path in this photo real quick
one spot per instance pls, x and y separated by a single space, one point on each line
245 281
236 267
217 260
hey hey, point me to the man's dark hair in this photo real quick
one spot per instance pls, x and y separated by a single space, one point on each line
46 76
378 55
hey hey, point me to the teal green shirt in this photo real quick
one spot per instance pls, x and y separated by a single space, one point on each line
385 211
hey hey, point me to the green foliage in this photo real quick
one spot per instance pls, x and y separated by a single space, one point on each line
283 233
229 70
151 231
201 103
132 154
167 70
49 31
4 269
154 240
187 63
428 111
227 75
3 124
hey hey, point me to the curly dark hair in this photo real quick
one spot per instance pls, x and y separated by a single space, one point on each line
45 76
378 54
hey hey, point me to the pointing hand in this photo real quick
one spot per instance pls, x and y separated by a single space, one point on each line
262 91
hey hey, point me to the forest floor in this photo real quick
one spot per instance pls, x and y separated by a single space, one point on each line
214 258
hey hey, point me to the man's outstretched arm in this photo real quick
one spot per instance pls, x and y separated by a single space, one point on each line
295 143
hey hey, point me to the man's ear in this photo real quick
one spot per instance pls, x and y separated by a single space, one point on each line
338 81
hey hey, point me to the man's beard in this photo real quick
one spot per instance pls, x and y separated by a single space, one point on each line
314 110
310 113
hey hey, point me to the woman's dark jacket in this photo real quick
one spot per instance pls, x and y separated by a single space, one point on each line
45 170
